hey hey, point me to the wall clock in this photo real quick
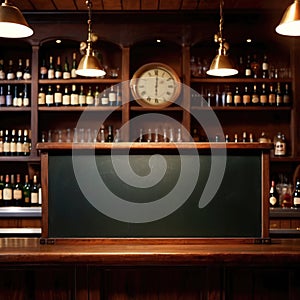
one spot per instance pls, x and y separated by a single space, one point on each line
155 85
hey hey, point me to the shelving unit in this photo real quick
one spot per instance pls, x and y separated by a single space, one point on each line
128 55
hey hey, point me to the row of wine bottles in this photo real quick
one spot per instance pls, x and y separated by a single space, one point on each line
14 96
266 95
74 97
17 192
10 72
250 66
15 142
283 195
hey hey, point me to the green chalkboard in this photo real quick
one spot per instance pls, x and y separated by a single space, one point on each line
84 204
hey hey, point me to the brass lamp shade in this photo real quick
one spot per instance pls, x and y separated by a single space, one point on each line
90 66
221 66
290 22
13 23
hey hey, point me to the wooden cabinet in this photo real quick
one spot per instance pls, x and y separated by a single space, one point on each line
126 54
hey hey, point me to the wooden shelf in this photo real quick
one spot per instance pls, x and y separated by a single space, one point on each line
15 109
243 108
79 108
278 212
20 158
133 145
15 81
170 108
80 81
239 80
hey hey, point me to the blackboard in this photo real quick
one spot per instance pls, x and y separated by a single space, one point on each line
234 211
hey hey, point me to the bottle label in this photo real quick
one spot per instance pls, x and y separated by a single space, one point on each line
17 194
272 98
25 101
273 200
255 99
263 99
237 99
7 194
13 147
19 102
265 66
10 76
248 72
296 200
280 148
50 74
42 99
228 98
66 75
74 99
19 74
49 99
26 199
43 71
26 148
66 100
104 100
19 147
82 99
58 74
73 73
286 99
279 99
2 100
1 195
6 147
246 99
8 100
2 75
26 76
34 198
89 100
57 97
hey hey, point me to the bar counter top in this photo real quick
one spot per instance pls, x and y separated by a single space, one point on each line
280 252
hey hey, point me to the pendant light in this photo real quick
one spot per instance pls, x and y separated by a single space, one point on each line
12 22
89 64
221 64
290 22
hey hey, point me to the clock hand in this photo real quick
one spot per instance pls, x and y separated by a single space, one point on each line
156 84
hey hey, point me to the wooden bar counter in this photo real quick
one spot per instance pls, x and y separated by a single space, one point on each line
149 270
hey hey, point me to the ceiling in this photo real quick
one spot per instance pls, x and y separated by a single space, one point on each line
57 6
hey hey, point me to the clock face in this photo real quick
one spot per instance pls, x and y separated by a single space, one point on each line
155 85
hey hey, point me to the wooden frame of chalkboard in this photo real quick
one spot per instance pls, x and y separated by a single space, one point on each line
237 212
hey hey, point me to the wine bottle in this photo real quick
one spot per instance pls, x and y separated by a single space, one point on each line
49 96
51 68
6 143
1 189
228 97
97 99
112 96
263 98
8 97
26 100
273 195
19 145
18 191
279 97
10 72
90 97
74 66
43 70
66 98
82 97
26 143
255 67
2 72
34 192
13 143
272 95
1 142
58 96
254 97
248 71
41 97
19 73
66 73
286 95
7 192
246 96
296 194
265 67
74 96
58 69
104 98
15 97
237 97
2 96
26 191
119 96
27 71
